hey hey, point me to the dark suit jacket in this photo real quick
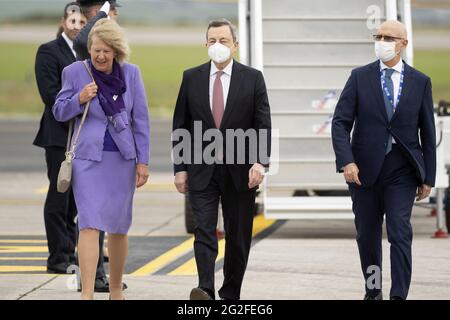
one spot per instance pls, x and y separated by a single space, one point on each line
361 104
51 59
247 107
80 42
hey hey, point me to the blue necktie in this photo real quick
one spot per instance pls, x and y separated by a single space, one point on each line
387 103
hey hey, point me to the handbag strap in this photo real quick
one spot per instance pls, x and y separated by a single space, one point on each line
88 70
71 153
69 135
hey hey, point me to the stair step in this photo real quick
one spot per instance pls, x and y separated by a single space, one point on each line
302 125
317 29
310 203
295 76
305 149
316 53
305 173
318 41
312 65
347 8
303 100
308 208
316 18
301 112
290 187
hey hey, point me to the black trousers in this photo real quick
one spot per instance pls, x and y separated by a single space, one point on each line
59 217
393 194
59 213
237 210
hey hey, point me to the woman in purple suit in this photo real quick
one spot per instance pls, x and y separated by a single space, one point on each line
112 153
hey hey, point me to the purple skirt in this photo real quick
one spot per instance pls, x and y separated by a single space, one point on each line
104 192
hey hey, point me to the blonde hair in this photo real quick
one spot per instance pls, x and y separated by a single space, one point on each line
112 35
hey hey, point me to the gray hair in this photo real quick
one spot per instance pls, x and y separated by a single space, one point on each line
220 23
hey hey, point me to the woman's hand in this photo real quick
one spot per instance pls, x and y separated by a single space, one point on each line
88 92
142 174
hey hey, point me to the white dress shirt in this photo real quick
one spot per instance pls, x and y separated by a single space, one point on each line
69 43
225 79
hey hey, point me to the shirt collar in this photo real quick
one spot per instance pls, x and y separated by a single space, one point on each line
398 67
68 40
227 70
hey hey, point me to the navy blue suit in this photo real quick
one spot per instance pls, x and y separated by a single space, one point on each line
389 181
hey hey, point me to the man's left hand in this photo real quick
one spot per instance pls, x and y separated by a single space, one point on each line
255 175
423 192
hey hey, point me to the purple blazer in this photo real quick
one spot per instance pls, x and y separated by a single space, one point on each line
132 136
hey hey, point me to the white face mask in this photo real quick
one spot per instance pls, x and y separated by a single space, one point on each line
385 51
219 53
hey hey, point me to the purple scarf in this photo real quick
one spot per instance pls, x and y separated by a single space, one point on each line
111 87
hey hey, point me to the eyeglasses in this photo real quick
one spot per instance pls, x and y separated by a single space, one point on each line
379 37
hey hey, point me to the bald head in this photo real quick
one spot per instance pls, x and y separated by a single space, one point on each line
390 41
394 29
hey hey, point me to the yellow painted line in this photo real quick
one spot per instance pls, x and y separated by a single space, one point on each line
22 259
22 269
30 274
260 224
23 249
22 241
165 258
189 268
42 190
22 202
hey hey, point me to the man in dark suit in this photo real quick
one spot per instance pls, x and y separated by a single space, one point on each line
391 156
94 10
60 209
220 97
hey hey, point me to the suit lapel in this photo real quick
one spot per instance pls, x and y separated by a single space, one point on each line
204 92
376 84
65 49
235 85
408 88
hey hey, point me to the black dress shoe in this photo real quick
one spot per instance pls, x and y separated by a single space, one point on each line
396 298
377 297
60 268
102 286
200 294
